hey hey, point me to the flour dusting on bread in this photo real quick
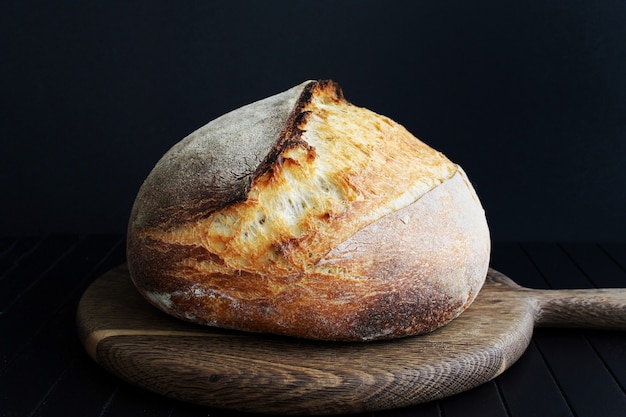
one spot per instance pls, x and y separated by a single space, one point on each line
346 227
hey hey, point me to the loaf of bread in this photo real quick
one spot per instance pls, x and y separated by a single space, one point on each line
304 215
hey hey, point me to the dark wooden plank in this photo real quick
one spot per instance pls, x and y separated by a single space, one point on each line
570 354
42 258
191 410
617 252
130 401
485 398
603 271
41 360
6 243
40 365
587 384
596 265
23 318
555 266
511 260
25 382
611 347
78 391
20 248
430 409
529 389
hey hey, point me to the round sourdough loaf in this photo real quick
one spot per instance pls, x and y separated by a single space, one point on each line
304 215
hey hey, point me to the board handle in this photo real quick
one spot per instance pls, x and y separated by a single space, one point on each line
585 308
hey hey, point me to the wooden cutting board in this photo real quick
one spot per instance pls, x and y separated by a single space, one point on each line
282 375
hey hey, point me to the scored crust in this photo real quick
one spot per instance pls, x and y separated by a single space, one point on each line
305 215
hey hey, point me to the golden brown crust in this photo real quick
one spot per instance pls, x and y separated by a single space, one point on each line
416 287
345 228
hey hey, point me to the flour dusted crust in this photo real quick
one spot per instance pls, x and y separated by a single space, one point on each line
304 215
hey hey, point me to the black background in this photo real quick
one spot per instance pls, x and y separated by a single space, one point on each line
529 97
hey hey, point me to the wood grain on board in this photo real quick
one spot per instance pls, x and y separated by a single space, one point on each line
275 374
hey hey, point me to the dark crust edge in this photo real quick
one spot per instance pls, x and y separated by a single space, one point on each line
191 204
292 134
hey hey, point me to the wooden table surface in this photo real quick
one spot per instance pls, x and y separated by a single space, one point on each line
44 370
